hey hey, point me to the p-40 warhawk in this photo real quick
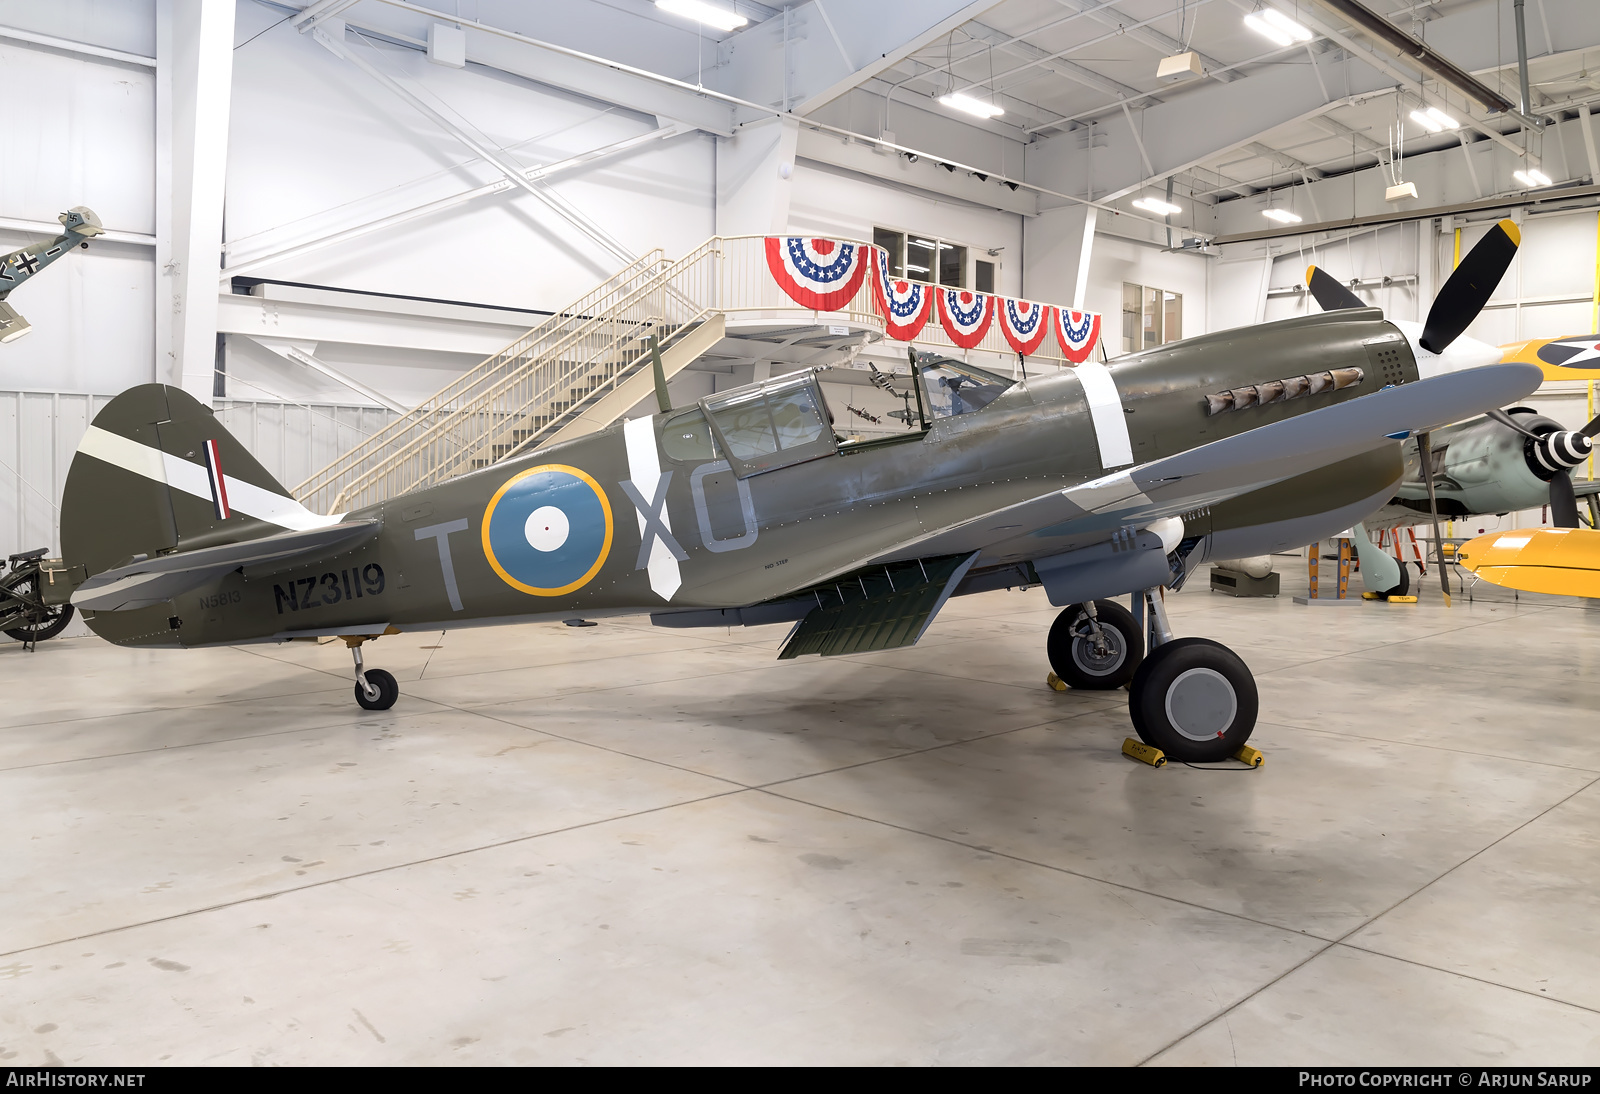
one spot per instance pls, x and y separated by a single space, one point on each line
747 509
81 225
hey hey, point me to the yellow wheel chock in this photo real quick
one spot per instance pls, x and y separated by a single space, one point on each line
1249 756
1055 682
1144 753
1390 599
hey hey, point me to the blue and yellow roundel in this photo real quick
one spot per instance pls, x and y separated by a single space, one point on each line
547 530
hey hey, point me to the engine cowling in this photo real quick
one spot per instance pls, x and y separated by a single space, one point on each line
1487 468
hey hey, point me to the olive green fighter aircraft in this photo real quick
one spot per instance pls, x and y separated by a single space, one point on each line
81 226
747 509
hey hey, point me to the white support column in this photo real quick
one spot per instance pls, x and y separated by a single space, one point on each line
754 169
1059 244
194 84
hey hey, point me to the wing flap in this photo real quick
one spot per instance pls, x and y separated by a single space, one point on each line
150 581
877 619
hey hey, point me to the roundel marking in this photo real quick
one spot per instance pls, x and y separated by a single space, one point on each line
547 530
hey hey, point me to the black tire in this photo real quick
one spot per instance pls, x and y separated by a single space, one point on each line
388 691
1071 651
1217 697
1404 588
53 622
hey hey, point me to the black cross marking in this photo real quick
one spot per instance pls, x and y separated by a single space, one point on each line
26 261
654 526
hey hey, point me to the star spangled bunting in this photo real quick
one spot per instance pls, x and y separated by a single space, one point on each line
905 305
1024 323
1077 332
823 274
966 315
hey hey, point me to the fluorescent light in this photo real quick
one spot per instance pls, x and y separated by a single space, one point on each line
968 105
1282 216
1532 177
918 269
1426 121
1272 24
701 12
1442 118
1157 206
923 242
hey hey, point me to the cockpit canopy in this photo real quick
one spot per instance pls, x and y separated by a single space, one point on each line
786 420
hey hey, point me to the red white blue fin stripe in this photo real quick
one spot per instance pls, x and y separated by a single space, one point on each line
1077 331
219 483
823 274
966 315
904 305
1024 323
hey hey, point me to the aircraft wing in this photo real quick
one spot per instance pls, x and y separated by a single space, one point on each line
148 581
1584 488
1222 469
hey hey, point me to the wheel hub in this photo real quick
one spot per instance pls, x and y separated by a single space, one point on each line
1099 658
1201 704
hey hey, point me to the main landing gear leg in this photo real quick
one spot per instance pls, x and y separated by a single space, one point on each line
1192 698
375 688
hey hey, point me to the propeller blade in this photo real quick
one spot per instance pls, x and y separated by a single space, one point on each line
1592 428
1425 452
1563 502
1511 423
1468 288
1329 293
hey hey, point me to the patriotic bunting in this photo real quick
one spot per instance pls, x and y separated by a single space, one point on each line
817 273
1077 331
1025 323
904 305
966 315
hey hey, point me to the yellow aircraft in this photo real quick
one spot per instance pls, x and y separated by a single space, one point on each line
1575 357
1562 561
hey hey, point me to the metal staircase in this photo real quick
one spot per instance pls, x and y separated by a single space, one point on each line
587 365
526 394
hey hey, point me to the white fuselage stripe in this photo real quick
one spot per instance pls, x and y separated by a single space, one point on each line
193 478
1105 410
644 471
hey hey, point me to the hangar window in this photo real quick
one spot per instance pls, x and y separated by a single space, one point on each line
1150 317
771 424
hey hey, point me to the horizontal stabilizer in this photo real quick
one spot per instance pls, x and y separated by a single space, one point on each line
149 581
882 609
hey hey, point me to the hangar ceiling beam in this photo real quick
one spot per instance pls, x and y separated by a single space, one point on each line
301 355
868 39
390 220
557 66
512 172
194 84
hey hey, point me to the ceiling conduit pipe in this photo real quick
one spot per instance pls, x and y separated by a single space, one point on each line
1418 53
1522 60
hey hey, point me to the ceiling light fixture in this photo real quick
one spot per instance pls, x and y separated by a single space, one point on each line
701 12
1158 207
1426 121
956 100
1532 177
1282 216
1272 24
1442 118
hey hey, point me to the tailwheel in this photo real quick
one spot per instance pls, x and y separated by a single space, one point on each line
1194 699
1404 588
1095 646
378 691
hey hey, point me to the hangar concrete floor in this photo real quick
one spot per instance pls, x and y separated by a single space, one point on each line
627 845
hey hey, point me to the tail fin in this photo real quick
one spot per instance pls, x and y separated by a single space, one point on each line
156 473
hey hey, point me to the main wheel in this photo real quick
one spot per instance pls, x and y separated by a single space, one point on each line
1404 588
1194 699
1083 663
51 620
388 691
